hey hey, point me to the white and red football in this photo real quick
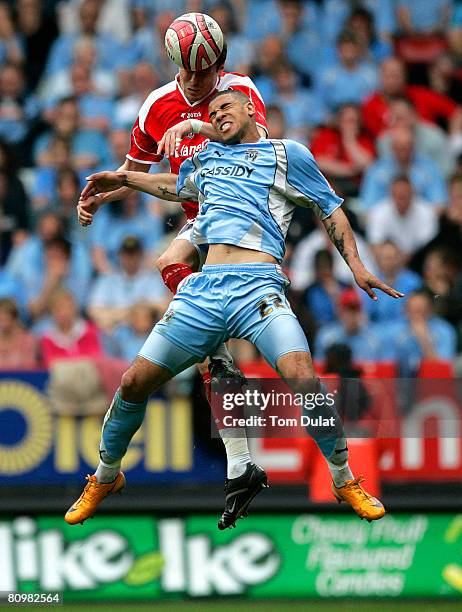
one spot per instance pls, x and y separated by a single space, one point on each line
194 41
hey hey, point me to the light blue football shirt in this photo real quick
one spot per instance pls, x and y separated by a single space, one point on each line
247 192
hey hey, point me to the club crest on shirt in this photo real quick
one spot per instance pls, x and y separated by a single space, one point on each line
251 154
167 316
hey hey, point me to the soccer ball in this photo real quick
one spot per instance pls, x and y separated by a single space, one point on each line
194 41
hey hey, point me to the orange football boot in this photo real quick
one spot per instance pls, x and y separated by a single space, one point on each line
365 506
93 494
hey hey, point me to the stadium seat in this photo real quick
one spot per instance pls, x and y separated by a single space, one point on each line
436 368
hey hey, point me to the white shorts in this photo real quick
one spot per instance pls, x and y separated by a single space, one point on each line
185 233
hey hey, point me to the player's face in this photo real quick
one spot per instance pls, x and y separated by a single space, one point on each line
196 85
230 117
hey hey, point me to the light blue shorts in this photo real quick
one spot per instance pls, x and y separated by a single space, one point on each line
245 301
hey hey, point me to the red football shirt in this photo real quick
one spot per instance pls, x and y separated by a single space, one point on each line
167 106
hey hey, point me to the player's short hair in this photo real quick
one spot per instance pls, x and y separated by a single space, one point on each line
234 92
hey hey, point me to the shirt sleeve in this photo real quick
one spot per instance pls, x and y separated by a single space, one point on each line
305 183
143 148
185 185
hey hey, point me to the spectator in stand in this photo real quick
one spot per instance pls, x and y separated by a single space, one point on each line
271 53
18 347
114 222
37 30
88 147
321 297
276 122
426 178
421 335
240 49
112 295
302 262
95 110
336 14
11 288
299 27
119 141
302 108
68 335
423 17
449 233
62 51
441 274
454 37
144 79
27 259
61 85
373 48
443 77
14 207
430 105
56 158
18 111
430 140
403 218
391 269
351 330
147 45
10 44
129 336
67 194
113 18
57 273
350 80
343 152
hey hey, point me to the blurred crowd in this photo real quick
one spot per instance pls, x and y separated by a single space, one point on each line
373 87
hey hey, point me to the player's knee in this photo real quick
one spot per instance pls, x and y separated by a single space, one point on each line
132 387
296 366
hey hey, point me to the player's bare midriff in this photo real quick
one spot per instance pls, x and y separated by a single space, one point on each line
232 254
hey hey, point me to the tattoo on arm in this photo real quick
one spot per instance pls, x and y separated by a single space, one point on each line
165 191
338 241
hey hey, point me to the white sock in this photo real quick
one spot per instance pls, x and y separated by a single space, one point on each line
340 473
223 354
237 451
106 473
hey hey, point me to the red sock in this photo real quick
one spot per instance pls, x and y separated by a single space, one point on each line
173 274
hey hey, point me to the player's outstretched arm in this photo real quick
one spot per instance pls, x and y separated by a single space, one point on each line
160 185
342 237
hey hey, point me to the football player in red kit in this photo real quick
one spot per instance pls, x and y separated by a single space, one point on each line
174 121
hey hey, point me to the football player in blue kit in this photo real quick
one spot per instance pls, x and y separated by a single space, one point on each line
247 189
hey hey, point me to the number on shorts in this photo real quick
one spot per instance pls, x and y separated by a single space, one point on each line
267 304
